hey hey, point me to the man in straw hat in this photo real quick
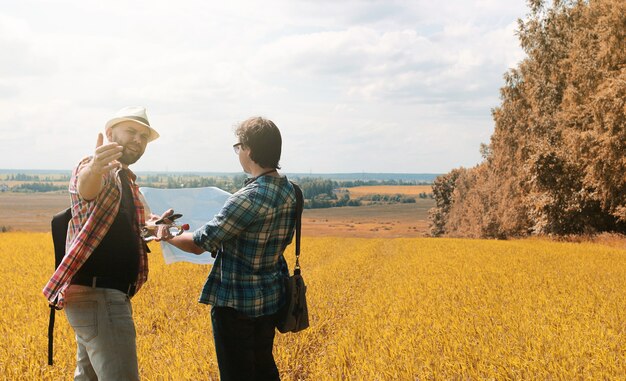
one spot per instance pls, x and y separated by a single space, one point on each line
105 262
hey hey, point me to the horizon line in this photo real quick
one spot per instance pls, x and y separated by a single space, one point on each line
237 172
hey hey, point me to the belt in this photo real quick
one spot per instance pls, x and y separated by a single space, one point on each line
105 282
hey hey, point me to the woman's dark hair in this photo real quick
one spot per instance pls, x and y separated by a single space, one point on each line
263 139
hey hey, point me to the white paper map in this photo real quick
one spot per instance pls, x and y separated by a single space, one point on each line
197 205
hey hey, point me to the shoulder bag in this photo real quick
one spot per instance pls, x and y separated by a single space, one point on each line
294 315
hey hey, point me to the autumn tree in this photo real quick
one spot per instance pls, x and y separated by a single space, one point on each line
555 163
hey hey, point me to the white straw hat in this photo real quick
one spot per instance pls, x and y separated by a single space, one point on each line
135 114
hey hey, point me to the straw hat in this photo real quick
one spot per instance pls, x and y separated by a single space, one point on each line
135 114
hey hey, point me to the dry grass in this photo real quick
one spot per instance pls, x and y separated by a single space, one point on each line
409 190
380 309
31 211
369 221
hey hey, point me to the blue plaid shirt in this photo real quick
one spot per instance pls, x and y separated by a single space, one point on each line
253 229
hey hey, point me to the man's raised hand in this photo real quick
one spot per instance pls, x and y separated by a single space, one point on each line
105 156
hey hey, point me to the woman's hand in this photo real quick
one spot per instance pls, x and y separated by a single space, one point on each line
160 231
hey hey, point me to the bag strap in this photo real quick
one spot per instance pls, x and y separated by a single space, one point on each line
299 208
59 232
51 335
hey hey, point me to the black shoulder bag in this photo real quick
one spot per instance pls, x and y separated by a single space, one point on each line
59 233
294 315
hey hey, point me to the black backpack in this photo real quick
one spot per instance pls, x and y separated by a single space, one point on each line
59 224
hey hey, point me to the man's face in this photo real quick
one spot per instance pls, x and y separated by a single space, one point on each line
133 137
244 158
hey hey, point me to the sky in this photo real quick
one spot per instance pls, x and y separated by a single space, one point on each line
354 86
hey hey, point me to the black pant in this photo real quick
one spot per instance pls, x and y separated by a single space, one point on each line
244 345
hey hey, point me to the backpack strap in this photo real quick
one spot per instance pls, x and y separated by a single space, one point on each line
59 225
299 209
51 335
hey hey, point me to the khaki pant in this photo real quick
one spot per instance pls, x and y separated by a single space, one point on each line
102 319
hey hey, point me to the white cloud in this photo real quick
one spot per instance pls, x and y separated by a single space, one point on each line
385 86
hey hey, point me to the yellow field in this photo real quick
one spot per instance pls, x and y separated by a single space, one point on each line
409 190
381 309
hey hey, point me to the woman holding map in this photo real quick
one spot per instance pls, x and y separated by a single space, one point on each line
248 237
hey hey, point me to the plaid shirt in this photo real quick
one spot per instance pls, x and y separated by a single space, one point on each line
90 222
253 229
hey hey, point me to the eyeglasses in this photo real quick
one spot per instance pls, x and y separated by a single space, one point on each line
237 148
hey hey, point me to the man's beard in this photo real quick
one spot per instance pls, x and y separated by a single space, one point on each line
129 157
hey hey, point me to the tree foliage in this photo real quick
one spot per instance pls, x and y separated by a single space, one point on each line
556 162
38 187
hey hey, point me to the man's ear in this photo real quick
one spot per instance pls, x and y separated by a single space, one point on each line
109 134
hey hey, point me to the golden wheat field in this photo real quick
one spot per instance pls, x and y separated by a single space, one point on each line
380 309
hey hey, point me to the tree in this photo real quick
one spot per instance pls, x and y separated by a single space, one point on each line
555 163
443 189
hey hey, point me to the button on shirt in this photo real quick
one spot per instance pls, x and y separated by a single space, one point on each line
253 229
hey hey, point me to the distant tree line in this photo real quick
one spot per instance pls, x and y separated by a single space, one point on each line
312 187
556 162
25 177
318 192
325 201
325 193
37 187
22 177
388 198
150 180
361 183
228 183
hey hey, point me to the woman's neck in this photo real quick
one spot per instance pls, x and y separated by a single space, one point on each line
264 171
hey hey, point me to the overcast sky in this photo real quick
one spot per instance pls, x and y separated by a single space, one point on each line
354 86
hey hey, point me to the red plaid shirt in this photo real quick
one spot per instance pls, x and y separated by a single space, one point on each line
90 222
